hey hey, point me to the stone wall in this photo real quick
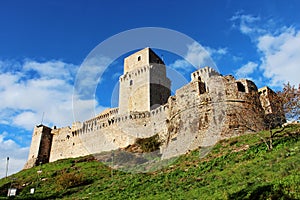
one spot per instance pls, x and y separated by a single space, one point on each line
135 90
105 134
273 108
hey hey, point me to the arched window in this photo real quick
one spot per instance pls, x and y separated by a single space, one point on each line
130 82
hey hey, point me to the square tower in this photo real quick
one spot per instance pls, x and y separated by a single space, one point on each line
40 146
144 84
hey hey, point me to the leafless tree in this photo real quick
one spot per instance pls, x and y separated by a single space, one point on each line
290 98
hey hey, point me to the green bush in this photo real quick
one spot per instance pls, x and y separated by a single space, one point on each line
70 179
149 144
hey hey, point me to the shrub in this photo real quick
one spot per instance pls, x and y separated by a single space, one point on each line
149 144
68 180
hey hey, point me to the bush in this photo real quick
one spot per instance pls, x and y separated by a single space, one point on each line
149 144
68 180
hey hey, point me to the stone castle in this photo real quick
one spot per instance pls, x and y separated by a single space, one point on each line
209 108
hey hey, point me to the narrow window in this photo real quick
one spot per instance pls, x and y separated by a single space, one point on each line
130 82
202 86
139 58
241 87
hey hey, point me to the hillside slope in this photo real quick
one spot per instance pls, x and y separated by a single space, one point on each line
237 168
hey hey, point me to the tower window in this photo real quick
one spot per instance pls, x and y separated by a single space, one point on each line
241 87
130 82
139 58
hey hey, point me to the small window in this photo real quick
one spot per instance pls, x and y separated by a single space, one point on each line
139 58
241 87
130 82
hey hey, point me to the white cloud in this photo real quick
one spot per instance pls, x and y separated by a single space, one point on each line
246 70
17 155
38 88
278 46
51 69
246 23
181 65
25 119
281 57
197 56
31 89
89 74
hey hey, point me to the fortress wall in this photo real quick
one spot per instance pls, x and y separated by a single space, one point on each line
190 119
139 121
98 135
65 145
201 119
244 112
185 117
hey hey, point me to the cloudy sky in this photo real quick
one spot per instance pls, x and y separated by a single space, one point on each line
43 44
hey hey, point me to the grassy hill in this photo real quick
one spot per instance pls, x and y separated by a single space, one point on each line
236 168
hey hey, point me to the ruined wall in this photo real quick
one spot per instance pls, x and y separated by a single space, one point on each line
244 112
183 121
273 108
201 118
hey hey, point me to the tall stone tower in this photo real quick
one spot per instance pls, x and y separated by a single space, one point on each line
144 84
40 146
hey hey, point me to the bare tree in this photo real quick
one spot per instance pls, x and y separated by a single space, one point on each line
290 98
285 105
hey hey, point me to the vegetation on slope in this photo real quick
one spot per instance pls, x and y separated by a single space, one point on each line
236 168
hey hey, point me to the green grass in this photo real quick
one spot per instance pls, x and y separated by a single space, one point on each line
236 168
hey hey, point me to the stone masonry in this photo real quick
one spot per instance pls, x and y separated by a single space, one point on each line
209 108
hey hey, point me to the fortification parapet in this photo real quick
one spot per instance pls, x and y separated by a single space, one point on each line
204 73
138 71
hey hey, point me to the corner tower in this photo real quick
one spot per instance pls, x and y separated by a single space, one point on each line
144 84
40 146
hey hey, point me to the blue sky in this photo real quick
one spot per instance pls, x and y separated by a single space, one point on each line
44 43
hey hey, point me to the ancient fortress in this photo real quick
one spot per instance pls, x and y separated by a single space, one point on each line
209 108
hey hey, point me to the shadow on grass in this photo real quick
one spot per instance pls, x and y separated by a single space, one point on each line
260 192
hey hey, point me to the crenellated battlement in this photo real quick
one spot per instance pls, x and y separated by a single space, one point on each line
204 74
111 118
135 73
